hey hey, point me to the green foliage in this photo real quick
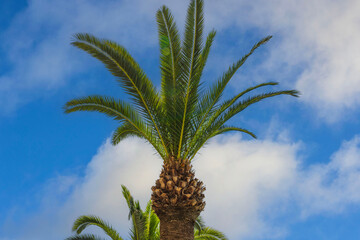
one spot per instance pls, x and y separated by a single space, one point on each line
85 237
83 222
145 224
179 119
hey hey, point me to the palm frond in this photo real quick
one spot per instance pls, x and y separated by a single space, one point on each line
209 234
199 224
152 223
214 111
209 100
234 108
191 54
225 129
85 237
124 131
83 222
206 50
137 231
119 110
129 200
170 52
225 114
129 74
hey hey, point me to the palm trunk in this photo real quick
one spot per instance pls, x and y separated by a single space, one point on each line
177 200
177 224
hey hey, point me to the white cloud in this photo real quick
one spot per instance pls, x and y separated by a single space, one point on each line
332 187
249 185
316 48
244 178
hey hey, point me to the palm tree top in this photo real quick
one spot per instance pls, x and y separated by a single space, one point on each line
180 118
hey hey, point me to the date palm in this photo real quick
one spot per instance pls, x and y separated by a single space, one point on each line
145 225
179 119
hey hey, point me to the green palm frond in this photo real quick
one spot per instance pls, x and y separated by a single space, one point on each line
206 50
83 222
230 110
201 232
225 112
214 111
208 101
137 232
199 224
129 200
214 94
152 223
191 54
209 234
124 131
119 110
170 53
85 237
225 129
130 75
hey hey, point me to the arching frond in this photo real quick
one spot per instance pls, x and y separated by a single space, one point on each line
209 234
206 50
225 129
152 224
129 74
234 108
208 101
83 222
224 114
129 200
119 110
199 224
191 54
137 232
216 111
124 131
170 52
85 237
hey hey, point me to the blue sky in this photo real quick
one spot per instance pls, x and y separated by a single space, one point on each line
299 180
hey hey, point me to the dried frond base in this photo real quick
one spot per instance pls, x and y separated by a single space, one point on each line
178 190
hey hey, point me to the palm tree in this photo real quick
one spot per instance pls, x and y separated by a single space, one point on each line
145 225
179 119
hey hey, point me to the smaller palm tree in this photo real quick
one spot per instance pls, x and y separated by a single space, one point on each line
145 225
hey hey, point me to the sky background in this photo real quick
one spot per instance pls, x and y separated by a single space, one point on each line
299 180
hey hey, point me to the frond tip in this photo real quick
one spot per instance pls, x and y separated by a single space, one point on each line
83 222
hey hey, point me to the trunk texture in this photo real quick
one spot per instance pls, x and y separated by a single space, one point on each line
177 200
177 224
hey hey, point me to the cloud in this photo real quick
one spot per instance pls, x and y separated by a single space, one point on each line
315 48
250 184
244 178
332 187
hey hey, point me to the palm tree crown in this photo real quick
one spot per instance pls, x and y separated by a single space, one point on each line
180 118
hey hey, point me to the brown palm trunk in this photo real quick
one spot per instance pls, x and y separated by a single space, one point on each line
177 200
177 224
